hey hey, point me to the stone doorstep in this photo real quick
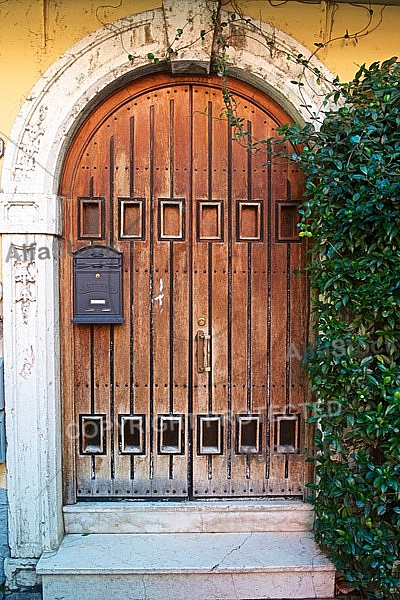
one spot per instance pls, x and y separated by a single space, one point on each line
180 566
184 517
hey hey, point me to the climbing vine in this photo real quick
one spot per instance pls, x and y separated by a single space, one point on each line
229 28
352 214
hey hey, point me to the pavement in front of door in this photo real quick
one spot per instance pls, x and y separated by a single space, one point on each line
36 595
31 595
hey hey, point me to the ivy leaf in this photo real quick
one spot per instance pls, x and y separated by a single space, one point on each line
351 165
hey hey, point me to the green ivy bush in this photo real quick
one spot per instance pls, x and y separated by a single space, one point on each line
352 213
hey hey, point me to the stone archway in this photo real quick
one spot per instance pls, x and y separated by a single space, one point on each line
30 225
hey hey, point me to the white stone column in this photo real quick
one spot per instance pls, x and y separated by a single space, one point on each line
32 379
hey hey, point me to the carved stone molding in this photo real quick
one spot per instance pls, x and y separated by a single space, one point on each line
30 144
25 284
32 394
196 17
30 213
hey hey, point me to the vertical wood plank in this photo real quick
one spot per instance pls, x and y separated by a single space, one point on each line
280 278
202 143
140 293
180 352
218 277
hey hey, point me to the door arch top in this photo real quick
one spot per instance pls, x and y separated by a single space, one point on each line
98 64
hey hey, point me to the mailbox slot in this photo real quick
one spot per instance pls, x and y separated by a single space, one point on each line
97 285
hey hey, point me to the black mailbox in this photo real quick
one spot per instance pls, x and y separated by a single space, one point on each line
97 285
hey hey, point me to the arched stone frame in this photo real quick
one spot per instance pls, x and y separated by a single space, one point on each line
30 218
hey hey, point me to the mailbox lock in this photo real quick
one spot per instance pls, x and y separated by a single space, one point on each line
98 276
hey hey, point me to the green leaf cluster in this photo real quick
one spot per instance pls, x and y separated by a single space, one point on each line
351 212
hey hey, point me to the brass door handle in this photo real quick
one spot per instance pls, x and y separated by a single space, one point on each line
203 351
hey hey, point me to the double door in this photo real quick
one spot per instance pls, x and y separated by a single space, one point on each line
200 392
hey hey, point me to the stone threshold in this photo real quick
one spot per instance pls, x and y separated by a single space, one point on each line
188 517
204 566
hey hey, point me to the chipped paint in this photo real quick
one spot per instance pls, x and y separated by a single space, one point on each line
28 364
160 296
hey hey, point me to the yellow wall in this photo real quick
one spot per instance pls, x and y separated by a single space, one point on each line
314 23
34 33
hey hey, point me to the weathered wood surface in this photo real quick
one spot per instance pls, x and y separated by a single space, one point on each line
209 243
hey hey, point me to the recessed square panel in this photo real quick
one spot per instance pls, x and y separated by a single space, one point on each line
91 218
210 221
248 434
171 219
287 434
132 437
132 224
92 434
171 434
249 221
209 434
286 222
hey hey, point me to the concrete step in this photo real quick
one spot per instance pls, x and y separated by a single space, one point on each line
181 566
188 517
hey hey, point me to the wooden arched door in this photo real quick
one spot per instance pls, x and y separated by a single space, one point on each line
200 392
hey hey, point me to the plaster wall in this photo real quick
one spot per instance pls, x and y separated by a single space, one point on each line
35 33
377 37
